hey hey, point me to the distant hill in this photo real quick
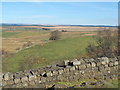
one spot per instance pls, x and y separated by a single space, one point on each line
7 24
90 25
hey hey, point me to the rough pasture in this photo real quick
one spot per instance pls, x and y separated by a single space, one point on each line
14 38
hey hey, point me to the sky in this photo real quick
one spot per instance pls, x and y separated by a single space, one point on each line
69 13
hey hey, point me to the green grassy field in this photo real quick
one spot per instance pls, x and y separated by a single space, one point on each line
9 34
108 84
22 29
56 51
71 45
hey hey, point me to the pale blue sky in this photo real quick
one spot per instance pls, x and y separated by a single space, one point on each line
80 13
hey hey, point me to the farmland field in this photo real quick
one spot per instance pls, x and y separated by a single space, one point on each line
15 37
71 45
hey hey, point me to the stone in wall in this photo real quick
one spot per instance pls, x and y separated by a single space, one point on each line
88 65
82 61
82 67
4 83
93 64
100 68
66 62
54 72
43 79
98 64
61 78
26 72
75 62
76 68
60 71
72 68
6 76
48 74
31 77
32 83
24 84
43 74
91 60
10 82
105 60
17 80
110 64
33 72
24 79
67 69
116 63
18 74
49 79
38 80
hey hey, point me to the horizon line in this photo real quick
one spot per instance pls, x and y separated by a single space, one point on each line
61 24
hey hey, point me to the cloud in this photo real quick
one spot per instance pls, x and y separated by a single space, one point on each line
37 16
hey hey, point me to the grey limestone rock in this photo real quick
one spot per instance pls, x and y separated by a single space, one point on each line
103 62
76 62
116 63
82 61
4 83
10 82
25 84
81 67
32 83
24 79
110 64
54 72
19 85
60 71
49 74
6 76
17 80
105 59
43 79
32 77
99 63
93 64
88 65
91 59
66 62
72 68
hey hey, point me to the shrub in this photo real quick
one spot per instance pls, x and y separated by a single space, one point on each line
63 30
45 29
107 44
54 35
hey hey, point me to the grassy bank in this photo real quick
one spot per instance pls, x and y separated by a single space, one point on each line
55 51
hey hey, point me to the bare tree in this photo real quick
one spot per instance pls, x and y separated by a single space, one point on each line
107 41
54 35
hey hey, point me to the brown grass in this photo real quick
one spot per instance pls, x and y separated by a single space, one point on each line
38 37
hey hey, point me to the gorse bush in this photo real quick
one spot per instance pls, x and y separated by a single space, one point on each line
107 44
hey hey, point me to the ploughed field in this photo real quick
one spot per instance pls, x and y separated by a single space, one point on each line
43 51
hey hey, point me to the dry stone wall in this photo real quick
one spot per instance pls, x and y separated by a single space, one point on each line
75 70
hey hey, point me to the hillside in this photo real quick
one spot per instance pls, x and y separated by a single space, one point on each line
38 55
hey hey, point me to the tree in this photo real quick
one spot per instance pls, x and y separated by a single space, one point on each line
107 44
54 35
